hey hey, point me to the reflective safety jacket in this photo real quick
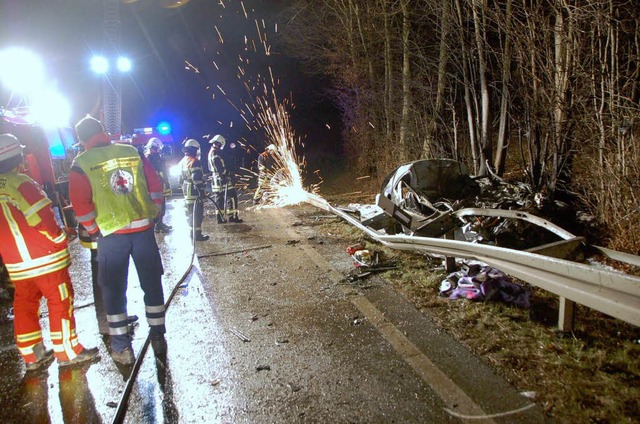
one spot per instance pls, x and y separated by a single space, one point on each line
158 163
113 189
219 173
191 178
31 242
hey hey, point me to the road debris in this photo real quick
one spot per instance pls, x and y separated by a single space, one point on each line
480 282
240 335
209 255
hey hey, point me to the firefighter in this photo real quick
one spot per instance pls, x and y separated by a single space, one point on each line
222 183
266 163
192 180
34 249
116 195
153 152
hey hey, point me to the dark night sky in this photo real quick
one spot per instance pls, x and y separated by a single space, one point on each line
66 33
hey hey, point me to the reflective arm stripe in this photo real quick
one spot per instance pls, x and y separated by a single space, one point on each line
57 240
87 217
88 221
62 237
91 227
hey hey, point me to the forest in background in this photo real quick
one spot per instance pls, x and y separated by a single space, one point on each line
539 91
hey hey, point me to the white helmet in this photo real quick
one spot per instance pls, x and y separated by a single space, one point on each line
192 143
154 143
219 139
9 147
271 147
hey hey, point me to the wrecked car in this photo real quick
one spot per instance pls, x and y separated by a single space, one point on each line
438 198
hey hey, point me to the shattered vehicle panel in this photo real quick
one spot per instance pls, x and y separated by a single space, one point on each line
438 198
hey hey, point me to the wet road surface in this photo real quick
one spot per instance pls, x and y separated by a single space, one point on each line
264 329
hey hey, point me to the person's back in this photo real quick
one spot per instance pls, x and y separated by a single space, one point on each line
116 194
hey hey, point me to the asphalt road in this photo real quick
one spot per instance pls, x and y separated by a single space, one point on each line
265 329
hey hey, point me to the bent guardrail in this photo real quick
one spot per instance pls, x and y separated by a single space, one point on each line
613 293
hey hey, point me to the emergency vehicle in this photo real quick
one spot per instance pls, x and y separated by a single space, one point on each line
48 155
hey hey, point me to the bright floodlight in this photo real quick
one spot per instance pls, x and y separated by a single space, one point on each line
50 109
124 64
99 64
21 70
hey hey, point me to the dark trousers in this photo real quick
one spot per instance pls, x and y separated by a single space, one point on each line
114 252
195 213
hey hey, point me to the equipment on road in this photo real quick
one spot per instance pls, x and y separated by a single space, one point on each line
216 206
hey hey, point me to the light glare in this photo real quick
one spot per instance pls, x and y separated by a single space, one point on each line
99 64
21 70
124 64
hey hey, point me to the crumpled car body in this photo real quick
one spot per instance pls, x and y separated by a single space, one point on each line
438 198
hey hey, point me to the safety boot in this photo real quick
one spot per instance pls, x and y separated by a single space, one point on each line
201 237
86 356
159 345
124 357
43 356
236 219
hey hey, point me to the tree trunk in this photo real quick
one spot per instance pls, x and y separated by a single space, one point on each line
406 81
501 142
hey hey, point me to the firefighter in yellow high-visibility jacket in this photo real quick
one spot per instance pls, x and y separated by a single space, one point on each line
34 249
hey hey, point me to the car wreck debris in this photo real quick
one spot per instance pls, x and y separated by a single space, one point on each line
484 283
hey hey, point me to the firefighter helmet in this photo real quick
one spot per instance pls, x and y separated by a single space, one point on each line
154 144
10 152
192 143
271 147
219 139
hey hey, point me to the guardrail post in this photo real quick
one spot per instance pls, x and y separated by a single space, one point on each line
566 315
449 261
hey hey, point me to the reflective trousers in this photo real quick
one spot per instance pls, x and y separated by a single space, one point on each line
114 251
57 290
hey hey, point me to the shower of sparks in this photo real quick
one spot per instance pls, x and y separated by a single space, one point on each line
285 179
266 113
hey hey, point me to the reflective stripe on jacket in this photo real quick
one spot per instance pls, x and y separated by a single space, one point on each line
219 173
120 193
192 178
32 243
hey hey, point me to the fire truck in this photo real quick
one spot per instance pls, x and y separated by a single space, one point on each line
48 154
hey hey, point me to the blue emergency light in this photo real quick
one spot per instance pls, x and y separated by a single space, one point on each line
164 128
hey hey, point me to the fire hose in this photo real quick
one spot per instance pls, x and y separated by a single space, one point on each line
124 399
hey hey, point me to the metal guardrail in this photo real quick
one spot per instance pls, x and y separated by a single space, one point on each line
613 293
